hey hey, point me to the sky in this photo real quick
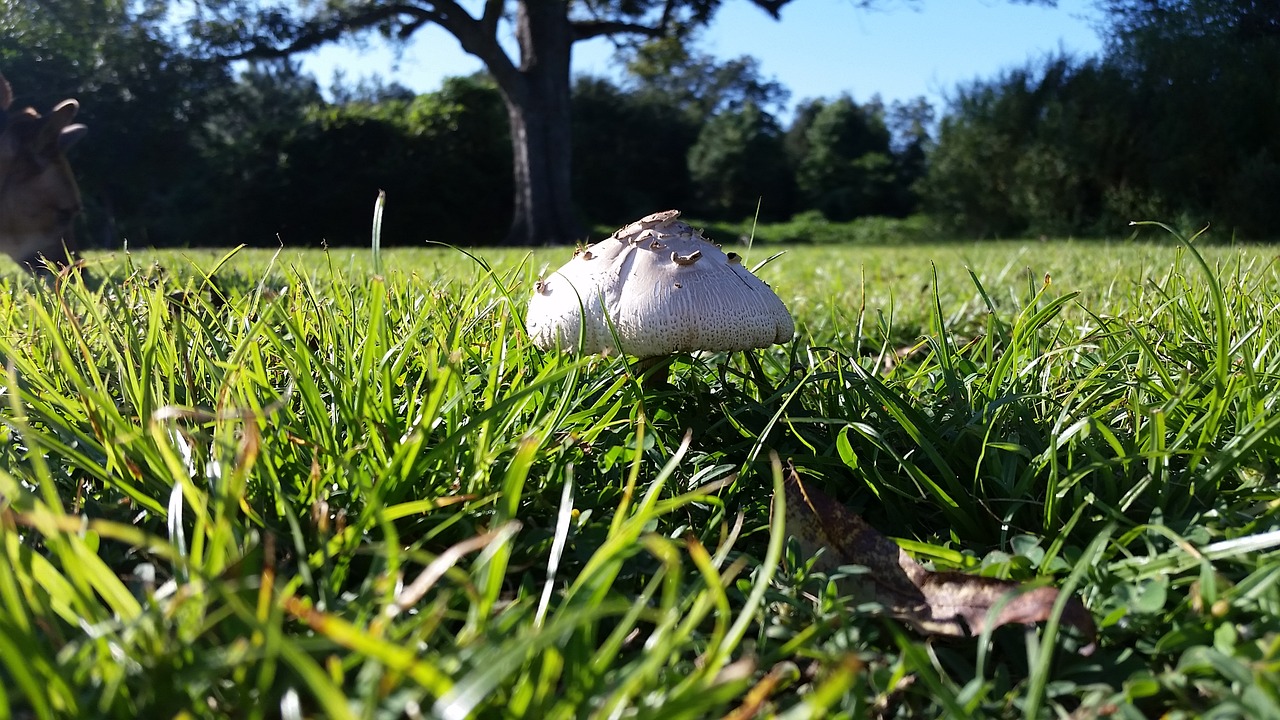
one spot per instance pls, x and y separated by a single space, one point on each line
820 48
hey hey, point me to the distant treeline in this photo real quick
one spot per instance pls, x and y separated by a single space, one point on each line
1178 120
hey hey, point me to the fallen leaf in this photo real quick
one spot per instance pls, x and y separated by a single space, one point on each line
934 603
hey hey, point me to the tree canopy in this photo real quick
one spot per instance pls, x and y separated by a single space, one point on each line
1175 120
535 85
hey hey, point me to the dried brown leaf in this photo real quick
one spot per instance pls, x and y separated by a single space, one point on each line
935 603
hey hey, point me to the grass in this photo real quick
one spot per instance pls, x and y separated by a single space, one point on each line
337 494
812 228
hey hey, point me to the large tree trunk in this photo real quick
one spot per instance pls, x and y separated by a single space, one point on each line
537 100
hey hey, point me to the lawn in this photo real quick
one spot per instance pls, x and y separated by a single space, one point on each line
316 491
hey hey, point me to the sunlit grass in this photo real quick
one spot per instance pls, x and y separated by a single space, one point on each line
305 490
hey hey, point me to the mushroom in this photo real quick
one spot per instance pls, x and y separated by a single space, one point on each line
663 288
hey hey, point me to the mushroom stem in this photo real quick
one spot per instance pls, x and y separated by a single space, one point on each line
653 372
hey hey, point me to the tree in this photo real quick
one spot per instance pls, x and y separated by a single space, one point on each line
535 85
847 168
1204 73
739 162
670 71
1176 121
630 152
909 125
632 142
796 141
1049 148
440 157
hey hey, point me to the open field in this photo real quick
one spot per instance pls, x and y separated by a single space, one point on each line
336 494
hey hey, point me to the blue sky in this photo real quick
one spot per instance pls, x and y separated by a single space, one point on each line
821 48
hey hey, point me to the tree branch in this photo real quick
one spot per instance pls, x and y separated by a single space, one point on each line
315 35
773 7
477 37
587 29
492 14
668 12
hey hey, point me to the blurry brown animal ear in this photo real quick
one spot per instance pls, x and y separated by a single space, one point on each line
70 135
934 603
22 128
49 142
6 95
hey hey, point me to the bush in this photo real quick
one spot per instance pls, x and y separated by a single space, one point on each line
443 158
811 228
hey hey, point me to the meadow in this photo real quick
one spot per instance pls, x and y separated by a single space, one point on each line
345 484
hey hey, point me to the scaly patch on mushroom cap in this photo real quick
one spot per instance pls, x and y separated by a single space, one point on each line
665 289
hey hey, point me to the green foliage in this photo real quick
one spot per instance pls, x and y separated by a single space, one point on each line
534 80
630 153
1022 154
738 163
670 71
634 144
255 485
846 170
811 228
1210 65
1177 117
910 126
442 158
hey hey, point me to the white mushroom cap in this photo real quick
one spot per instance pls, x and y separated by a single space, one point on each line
665 289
